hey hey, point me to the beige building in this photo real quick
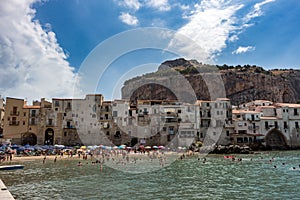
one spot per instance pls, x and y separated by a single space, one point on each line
17 124
215 122
275 125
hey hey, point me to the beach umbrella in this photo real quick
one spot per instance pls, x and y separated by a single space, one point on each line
161 147
21 148
155 147
115 147
37 148
121 147
59 146
15 146
147 147
83 147
29 148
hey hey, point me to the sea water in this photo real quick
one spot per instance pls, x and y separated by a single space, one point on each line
255 177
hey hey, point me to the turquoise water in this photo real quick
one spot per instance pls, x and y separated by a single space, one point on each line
190 178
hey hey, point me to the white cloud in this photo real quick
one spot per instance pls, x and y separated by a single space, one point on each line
242 49
161 5
128 19
209 27
132 4
32 63
256 12
233 38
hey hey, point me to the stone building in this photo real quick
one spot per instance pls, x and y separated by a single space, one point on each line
215 121
275 125
21 122
1 116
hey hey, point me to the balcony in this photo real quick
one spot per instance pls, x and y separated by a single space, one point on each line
32 115
253 127
69 127
14 123
14 113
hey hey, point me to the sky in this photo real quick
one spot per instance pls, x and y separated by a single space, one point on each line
65 49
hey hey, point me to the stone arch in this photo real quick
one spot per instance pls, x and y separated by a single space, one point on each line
49 136
275 139
29 138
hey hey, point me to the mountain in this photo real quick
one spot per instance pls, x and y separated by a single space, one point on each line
188 80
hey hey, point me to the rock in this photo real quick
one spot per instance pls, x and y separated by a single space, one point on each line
242 84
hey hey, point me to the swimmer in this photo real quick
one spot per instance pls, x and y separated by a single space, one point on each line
275 166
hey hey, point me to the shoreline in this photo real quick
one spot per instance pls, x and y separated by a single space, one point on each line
75 157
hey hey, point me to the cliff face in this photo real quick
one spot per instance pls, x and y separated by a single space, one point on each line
189 80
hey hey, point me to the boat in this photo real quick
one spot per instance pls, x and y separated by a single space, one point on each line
11 167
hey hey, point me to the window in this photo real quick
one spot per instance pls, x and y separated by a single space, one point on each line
33 113
24 114
56 103
32 121
285 126
227 133
115 113
266 125
65 134
15 108
296 112
297 125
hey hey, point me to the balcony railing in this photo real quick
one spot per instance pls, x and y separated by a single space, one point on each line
14 123
253 127
14 113
69 127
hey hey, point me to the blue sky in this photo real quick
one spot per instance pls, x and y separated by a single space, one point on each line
45 44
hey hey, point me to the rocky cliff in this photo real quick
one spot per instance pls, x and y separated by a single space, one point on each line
188 80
